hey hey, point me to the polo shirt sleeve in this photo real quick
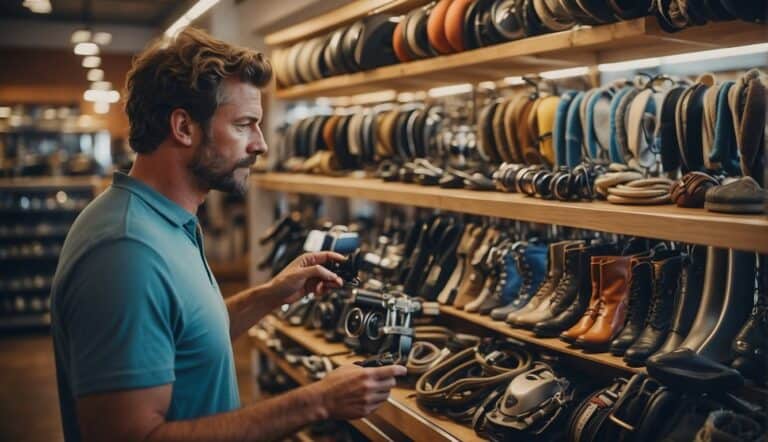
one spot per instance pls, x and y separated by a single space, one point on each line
120 315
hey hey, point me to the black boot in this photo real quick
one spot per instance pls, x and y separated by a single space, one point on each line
575 309
751 344
640 289
687 304
737 303
711 298
666 284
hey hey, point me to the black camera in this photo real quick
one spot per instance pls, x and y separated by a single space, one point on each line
382 323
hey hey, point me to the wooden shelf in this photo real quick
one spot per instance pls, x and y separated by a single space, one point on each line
698 226
554 344
638 38
339 17
401 410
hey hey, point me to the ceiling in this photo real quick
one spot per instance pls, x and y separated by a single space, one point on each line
126 12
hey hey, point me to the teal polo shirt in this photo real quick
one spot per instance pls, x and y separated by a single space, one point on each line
135 305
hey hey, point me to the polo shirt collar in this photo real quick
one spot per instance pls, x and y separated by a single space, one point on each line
174 213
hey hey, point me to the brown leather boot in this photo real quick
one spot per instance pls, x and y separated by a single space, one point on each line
471 287
614 293
589 317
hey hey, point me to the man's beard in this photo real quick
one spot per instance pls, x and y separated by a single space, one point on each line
211 170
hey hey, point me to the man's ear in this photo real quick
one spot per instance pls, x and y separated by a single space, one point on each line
183 128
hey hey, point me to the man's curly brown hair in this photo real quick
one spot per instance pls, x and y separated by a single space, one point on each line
184 74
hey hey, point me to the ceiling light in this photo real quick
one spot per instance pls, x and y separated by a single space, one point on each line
80 36
91 61
454 89
101 107
38 6
105 96
86 48
565 73
198 9
102 38
689 57
49 114
514 81
95 75
715 54
101 85
5 111
487 85
643 63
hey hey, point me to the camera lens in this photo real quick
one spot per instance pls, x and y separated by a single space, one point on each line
353 324
373 324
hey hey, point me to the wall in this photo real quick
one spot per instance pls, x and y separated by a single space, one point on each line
54 76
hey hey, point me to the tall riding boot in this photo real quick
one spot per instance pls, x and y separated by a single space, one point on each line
471 287
666 283
566 286
711 298
738 302
640 289
751 344
687 303
556 269
469 241
590 314
614 294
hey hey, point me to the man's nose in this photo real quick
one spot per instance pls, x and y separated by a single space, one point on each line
257 146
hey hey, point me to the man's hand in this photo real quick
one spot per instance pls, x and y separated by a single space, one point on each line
352 392
306 275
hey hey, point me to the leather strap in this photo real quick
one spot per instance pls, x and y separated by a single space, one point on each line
748 105
559 129
708 126
640 154
511 117
630 9
499 132
398 42
454 23
531 151
667 132
436 28
546 120
599 123
620 123
724 151
553 16
574 132
462 381
485 133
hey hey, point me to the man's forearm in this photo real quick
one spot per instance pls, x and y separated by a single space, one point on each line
248 307
270 419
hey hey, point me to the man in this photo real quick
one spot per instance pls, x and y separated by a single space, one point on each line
141 333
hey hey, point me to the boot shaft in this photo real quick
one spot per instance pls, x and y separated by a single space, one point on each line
666 282
640 289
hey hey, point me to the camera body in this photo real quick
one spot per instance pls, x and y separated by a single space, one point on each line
382 322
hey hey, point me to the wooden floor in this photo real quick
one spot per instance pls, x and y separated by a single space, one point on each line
29 402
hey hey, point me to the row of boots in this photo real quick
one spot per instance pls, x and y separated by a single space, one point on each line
633 301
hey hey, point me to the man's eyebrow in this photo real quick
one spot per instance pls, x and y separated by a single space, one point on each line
249 117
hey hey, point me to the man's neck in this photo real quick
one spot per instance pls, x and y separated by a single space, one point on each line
170 178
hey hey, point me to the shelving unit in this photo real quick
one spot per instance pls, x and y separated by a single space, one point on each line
23 226
581 46
638 38
668 222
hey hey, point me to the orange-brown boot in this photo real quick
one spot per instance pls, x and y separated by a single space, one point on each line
614 293
586 321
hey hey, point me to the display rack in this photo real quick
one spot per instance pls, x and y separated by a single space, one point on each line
668 222
583 45
32 233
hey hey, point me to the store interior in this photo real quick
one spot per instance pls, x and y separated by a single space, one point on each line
553 211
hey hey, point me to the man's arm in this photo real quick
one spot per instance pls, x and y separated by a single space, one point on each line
349 392
304 275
